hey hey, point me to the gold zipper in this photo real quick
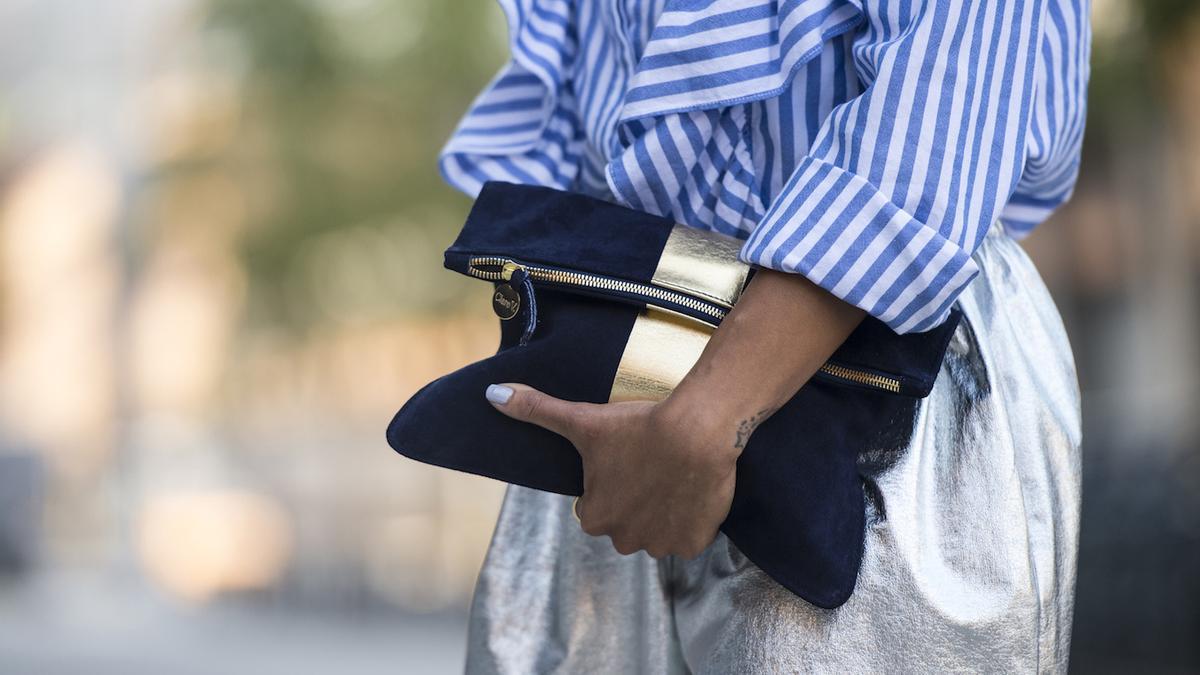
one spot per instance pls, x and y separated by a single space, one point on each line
504 268
862 377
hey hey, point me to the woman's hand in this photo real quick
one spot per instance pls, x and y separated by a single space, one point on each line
659 477
654 480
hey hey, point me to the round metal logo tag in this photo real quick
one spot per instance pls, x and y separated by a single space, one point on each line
506 302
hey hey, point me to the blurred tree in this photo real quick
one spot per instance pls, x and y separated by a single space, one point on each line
1127 71
1168 20
344 107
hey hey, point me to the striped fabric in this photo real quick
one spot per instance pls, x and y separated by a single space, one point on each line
866 144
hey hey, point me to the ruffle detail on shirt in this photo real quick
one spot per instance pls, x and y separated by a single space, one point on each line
685 125
695 167
524 126
706 54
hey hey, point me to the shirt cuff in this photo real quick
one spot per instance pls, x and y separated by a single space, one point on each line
838 230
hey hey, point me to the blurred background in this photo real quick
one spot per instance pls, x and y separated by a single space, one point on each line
221 229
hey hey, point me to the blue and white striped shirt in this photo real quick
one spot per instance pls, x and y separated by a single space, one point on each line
866 144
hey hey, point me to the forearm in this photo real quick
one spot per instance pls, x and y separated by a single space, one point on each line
782 330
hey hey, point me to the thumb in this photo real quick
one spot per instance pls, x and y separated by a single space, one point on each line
524 403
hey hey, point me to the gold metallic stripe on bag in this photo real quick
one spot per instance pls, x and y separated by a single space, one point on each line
662 348
701 263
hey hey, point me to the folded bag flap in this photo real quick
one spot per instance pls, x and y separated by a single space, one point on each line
564 230
547 226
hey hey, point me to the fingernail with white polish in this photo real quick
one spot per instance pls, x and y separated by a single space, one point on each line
498 394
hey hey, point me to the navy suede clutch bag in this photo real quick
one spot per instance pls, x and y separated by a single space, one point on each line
600 303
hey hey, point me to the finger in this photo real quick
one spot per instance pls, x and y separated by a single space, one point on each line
524 403
577 508
657 551
694 546
623 544
588 522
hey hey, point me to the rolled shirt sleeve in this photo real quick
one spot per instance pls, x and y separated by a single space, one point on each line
903 181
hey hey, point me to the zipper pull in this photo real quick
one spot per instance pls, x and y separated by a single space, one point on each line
508 268
519 276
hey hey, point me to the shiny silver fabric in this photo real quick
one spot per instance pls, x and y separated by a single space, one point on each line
970 545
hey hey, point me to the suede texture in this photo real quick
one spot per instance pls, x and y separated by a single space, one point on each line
798 508
547 226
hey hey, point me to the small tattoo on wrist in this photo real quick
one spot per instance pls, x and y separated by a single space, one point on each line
748 425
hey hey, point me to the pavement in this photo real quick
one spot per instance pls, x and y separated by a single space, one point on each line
87 622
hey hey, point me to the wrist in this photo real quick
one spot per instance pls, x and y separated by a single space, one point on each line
723 420
722 396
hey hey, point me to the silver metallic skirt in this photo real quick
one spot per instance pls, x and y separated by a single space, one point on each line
970 551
